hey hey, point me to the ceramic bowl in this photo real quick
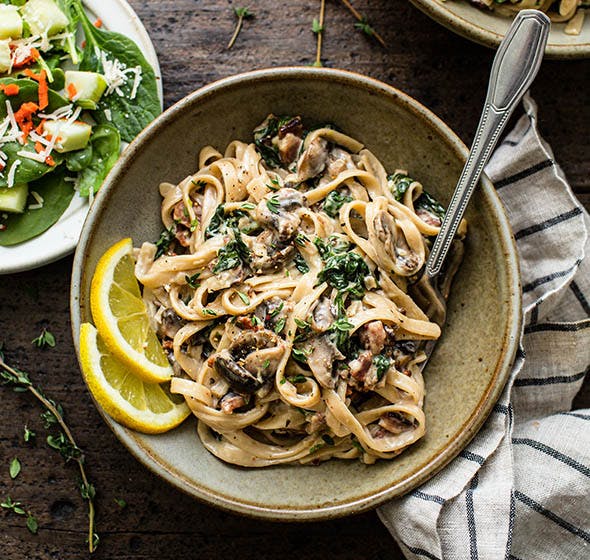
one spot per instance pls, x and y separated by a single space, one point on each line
471 362
489 28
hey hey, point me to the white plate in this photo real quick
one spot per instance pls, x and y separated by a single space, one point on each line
61 238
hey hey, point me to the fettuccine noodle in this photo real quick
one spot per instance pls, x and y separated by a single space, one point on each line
279 291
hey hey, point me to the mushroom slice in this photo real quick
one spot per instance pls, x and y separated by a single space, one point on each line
321 360
313 160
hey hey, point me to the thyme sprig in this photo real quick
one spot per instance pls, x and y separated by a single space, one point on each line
18 509
318 28
241 14
363 24
63 441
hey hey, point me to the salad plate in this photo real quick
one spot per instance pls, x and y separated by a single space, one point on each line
62 237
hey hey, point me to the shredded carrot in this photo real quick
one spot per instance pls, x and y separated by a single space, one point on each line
41 79
72 91
39 147
24 118
49 137
2 166
50 161
98 23
83 44
9 89
40 127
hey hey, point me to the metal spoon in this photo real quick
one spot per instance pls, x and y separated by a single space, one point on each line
514 68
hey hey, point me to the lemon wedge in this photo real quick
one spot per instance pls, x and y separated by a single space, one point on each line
145 407
120 315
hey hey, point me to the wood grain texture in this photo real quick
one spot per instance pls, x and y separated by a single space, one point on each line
446 73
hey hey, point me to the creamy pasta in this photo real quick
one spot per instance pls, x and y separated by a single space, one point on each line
279 290
570 12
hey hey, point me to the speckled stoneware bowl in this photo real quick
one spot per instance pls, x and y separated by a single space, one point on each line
472 361
488 28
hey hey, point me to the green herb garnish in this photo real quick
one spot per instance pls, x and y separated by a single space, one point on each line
44 340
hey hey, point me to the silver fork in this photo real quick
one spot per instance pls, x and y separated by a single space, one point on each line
515 66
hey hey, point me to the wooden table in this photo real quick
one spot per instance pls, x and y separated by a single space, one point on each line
446 73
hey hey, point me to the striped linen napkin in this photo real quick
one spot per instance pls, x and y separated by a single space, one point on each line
521 489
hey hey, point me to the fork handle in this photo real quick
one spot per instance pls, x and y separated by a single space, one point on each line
515 66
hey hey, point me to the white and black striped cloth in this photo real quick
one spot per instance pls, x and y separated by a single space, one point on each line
521 488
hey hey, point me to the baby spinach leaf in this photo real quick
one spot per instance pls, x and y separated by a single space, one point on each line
29 169
130 116
105 141
80 159
56 194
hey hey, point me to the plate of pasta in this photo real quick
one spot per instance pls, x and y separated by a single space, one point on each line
487 21
276 259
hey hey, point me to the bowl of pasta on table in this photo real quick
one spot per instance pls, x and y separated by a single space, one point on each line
245 301
487 21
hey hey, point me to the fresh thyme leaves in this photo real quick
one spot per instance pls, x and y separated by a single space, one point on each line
14 468
32 524
363 24
233 254
333 202
208 311
222 223
317 27
248 206
29 435
241 14
192 280
120 502
44 340
300 354
301 239
62 441
280 325
398 184
243 297
165 240
18 509
382 364
273 204
276 310
299 378
15 507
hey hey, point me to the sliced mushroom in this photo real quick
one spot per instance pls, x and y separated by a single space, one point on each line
339 160
323 315
170 323
267 253
279 211
395 243
251 360
395 422
313 160
321 360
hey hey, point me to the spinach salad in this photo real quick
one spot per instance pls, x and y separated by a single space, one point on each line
70 93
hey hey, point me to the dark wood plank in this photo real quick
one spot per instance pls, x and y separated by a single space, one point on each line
446 73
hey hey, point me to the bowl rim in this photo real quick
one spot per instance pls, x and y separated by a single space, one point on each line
469 29
464 434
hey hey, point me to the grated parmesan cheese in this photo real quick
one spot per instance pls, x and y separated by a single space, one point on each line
11 173
40 157
108 115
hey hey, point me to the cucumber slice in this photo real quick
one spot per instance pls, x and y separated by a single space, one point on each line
70 137
89 87
13 199
44 17
11 24
4 54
